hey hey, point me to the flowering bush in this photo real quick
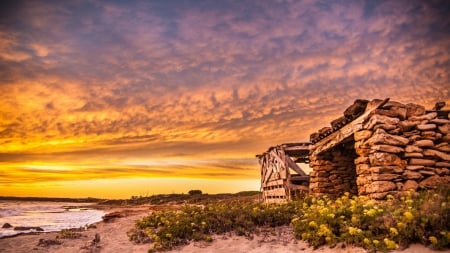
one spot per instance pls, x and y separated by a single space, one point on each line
374 225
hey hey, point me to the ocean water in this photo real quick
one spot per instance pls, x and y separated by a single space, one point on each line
50 216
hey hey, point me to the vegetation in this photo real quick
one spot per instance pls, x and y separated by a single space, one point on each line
374 225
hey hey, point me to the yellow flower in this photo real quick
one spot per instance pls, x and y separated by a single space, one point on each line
390 244
433 240
312 224
366 241
408 215
375 242
393 231
401 225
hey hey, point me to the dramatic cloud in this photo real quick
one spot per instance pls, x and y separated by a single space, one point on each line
155 89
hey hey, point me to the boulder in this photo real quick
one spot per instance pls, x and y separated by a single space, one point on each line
423 162
423 143
410 185
442 171
412 175
414 110
427 173
387 148
385 127
361 180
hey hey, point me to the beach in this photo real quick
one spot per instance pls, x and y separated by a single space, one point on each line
112 237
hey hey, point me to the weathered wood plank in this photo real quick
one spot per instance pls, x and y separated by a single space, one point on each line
294 166
336 137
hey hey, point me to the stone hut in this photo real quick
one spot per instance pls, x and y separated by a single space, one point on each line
381 147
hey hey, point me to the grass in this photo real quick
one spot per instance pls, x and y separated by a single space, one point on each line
373 225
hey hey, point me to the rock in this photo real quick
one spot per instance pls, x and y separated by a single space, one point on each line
379 195
380 119
437 154
438 106
440 121
442 171
415 137
445 129
339 122
426 127
411 149
385 138
362 169
446 138
111 216
363 152
427 173
407 125
413 155
443 164
414 167
434 181
380 186
314 137
384 159
414 110
425 117
411 133
362 135
28 228
361 159
7 225
361 180
423 162
385 127
386 169
384 177
387 148
444 147
412 175
45 243
357 108
423 143
410 185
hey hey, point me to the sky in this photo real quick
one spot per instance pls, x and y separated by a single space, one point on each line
118 98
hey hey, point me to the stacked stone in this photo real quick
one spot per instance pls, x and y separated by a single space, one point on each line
334 171
402 147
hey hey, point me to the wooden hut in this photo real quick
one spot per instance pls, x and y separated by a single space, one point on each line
281 177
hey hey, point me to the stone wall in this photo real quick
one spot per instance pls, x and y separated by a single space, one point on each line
399 147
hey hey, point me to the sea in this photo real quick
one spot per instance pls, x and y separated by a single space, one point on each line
50 216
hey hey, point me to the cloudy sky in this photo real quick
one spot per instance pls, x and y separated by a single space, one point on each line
121 98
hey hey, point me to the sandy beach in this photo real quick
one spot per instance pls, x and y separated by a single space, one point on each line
113 238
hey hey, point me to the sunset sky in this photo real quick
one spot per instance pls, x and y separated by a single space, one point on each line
119 98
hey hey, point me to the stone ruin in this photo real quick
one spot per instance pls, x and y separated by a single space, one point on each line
381 147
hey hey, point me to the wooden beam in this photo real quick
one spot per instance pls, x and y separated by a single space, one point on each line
336 137
294 166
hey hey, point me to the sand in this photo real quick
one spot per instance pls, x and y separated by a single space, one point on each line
113 238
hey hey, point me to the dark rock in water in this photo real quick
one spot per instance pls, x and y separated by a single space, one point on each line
7 225
29 228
